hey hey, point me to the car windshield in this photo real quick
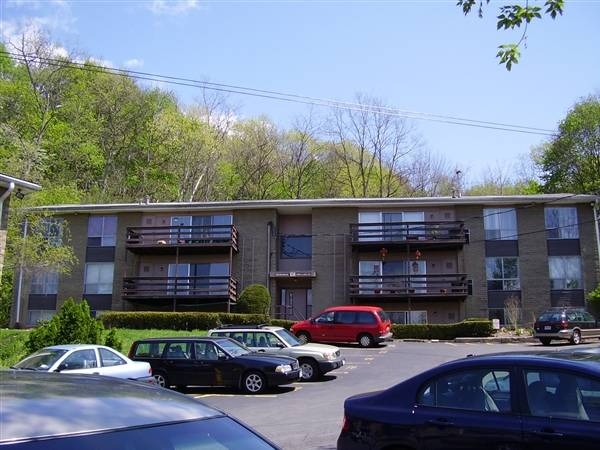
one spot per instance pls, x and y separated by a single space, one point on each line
232 347
214 433
41 360
383 316
288 338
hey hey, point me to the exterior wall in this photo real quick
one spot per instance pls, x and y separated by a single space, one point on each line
250 263
72 285
533 263
332 255
590 260
473 261
125 261
3 225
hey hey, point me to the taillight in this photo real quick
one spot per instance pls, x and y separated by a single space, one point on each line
346 424
564 324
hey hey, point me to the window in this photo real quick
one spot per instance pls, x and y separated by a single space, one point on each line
561 395
565 272
44 283
474 390
198 279
502 274
296 247
110 359
102 231
561 223
99 278
52 229
500 223
38 315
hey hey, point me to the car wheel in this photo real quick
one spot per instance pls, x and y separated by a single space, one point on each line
365 340
576 337
309 369
545 341
161 379
303 336
253 383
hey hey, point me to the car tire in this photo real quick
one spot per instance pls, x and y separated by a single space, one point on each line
545 341
161 379
576 337
309 369
303 336
253 383
366 340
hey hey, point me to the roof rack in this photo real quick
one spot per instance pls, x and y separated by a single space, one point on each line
246 327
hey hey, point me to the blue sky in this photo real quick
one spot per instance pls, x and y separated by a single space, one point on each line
422 56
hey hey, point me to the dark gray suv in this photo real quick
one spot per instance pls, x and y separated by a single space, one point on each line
566 323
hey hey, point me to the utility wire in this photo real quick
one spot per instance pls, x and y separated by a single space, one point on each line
281 96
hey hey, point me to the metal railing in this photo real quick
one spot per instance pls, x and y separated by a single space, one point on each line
180 287
182 235
409 285
448 232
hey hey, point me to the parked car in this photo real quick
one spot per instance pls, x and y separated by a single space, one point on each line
49 411
566 323
213 361
84 358
315 359
367 325
519 400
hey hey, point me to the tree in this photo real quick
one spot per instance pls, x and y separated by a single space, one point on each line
571 161
514 16
255 299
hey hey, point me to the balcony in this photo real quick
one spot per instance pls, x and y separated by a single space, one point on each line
182 239
413 286
371 236
202 290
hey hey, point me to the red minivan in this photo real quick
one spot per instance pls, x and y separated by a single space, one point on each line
367 325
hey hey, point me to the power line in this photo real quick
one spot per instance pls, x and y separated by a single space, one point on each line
282 96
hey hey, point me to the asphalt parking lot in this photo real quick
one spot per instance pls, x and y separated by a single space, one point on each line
309 415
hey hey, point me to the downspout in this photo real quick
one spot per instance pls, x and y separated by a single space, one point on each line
5 195
596 209
267 282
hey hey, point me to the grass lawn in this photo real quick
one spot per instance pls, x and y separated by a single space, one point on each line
12 342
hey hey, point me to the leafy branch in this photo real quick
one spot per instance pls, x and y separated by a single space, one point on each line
511 17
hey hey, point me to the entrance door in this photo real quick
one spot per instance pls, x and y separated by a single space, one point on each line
369 277
296 304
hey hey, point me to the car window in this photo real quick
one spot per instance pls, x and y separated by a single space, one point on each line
206 351
562 395
149 349
288 337
41 360
110 358
81 359
178 350
365 317
474 390
383 315
262 339
345 317
325 317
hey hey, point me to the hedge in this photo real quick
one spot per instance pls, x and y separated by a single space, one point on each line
467 328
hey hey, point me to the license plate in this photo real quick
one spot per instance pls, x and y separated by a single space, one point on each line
547 328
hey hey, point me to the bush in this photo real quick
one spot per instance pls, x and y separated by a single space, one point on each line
73 324
467 328
255 299
113 341
187 321
594 302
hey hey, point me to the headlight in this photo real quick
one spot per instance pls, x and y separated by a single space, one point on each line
329 356
285 368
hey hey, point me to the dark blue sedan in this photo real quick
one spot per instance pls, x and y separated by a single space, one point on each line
522 400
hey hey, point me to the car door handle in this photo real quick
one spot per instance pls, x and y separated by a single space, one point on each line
548 433
440 422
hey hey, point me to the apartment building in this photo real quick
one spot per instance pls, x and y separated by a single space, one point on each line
424 260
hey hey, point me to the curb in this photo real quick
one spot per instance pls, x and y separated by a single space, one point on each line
466 340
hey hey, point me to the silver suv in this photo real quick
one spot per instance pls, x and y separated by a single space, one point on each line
315 359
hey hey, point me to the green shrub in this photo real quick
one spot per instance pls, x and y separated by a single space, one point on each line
467 328
113 341
140 320
593 300
73 324
255 299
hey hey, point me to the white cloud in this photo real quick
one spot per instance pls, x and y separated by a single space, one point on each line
133 63
173 7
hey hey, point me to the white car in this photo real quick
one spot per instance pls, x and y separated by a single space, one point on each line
86 358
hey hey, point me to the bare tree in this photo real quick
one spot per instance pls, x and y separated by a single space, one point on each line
512 308
428 175
371 143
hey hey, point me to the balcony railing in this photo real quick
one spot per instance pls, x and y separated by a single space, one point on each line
450 285
208 288
182 236
403 232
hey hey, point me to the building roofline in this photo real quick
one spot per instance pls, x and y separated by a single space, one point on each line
306 205
25 186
